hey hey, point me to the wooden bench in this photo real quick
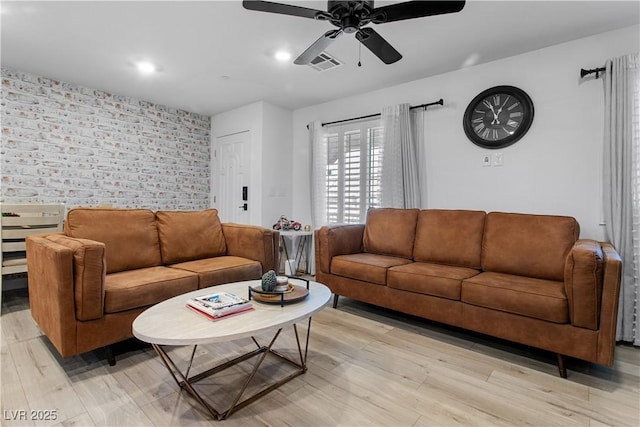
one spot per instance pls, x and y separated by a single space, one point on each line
17 222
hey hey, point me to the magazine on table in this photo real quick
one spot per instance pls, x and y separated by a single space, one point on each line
219 304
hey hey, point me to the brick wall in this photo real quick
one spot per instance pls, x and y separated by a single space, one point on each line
84 147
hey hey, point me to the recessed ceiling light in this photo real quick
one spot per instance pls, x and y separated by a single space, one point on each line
145 67
282 55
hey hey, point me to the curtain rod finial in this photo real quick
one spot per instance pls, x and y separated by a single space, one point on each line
597 71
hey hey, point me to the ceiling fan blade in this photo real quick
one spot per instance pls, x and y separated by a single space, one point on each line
317 47
414 9
378 46
283 9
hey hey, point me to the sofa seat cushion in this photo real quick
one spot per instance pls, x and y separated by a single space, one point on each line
536 298
366 267
143 287
431 279
187 236
222 269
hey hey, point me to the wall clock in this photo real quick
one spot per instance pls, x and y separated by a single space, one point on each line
498 117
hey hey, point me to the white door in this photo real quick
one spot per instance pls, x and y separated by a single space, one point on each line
232 176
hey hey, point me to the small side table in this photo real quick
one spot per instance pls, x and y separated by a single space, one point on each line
301 248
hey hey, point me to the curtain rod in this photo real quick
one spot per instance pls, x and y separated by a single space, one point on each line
597 71
424 106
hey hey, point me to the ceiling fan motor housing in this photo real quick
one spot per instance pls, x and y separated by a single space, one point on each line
349 24
331 5
349 15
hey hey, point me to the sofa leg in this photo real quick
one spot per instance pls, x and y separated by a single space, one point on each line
562 369
111 358
335 300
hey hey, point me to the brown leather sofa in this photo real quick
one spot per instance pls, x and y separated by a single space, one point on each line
88 284
523 278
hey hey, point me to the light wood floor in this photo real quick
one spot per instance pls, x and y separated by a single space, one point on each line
367 366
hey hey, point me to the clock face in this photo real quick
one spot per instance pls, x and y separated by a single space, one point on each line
498 117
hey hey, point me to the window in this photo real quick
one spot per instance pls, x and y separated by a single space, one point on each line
354 166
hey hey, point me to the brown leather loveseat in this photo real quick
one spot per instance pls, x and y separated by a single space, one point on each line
88 284
524 278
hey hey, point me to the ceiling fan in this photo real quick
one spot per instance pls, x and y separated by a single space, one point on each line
352 16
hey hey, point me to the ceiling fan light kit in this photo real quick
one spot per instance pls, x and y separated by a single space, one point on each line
351 17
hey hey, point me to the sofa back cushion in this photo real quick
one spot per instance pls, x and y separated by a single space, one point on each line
187 236
528 245
451 237
390 231
130 236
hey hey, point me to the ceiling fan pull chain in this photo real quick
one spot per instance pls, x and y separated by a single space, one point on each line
359 52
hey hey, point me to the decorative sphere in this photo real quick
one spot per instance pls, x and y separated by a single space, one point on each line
269 281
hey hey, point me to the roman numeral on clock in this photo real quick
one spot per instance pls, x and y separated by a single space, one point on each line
514 105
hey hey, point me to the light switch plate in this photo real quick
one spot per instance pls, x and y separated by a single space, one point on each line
498 159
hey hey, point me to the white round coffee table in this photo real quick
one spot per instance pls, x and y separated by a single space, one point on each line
171 323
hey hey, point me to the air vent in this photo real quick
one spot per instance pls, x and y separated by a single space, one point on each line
324 62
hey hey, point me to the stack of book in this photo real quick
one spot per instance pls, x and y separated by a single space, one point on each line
219 305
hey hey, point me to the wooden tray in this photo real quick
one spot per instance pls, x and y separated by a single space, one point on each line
296 294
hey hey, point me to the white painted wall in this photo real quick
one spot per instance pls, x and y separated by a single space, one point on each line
276 164
554 169
271 145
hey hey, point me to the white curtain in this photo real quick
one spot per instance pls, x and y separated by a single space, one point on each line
318 168
621 184
400 184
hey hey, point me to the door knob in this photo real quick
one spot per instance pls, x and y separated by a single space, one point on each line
243 206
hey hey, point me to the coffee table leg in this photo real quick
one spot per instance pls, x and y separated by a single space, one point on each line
253 373
302 365
173 369
187 382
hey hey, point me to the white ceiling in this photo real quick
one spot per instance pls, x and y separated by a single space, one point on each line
215 55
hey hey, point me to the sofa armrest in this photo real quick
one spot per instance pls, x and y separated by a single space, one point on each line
252 242
52 294
583 276
89 275
611 278
88 270
592 282
336 240
50 283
